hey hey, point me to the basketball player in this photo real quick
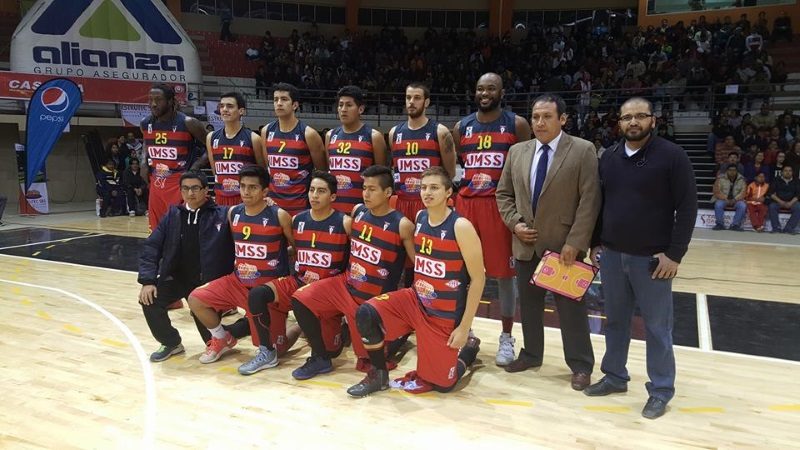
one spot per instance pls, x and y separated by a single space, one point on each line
293 151
232 147
168 140
321 237
379 242
261 236
352 147
448 284
483 139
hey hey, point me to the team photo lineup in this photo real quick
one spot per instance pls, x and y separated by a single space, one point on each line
369 239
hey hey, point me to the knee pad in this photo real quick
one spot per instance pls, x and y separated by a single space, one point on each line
258 299
369 324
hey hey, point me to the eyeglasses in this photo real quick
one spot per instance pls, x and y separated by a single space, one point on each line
629 117
195 189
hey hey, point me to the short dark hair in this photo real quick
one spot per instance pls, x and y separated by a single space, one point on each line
383 173
732 166
166 89
426 92
256 171
561 105
328 178
240 101
193 175
733 153
355 92
441 173
133 160
647 102
293 92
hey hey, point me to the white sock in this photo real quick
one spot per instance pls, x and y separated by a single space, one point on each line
218 332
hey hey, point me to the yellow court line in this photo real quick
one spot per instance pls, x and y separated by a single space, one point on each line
783 408
36 253
73 329
702 410
327 384
609 409
497 401
227 369
113 343
43 315
410 394
26 301
16 290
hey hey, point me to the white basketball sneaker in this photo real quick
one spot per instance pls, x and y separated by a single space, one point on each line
505 351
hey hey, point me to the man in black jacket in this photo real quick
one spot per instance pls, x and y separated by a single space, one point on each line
135 188
645 225
191 246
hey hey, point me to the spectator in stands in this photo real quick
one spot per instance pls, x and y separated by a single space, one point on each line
789 130
755 198
764 118
135 188
777 167
757 166
110 190
226 17
782 27
725 148
754 41
729 192
134 146
261 82
114 154
793 158
784 193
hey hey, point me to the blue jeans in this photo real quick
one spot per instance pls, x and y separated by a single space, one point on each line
738 215
774 217
627 282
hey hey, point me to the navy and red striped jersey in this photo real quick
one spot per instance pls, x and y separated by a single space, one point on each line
440 273
261 248
322 246
230 155
169 145
290 166
484 148
377 254
349 154
413 151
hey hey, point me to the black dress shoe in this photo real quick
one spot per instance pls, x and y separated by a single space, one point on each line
580 380
654 408
521 363
603 387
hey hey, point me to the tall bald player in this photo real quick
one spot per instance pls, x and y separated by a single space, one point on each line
294 150
231 148
352 148
169 137
483 139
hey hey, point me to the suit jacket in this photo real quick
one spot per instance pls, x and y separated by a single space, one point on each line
569 202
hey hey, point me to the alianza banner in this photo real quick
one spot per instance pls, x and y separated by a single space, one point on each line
50 109
135 40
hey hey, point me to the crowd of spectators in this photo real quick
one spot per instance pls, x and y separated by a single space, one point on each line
120 185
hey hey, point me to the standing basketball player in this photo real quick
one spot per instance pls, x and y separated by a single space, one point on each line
379 242
417 144
169 142
484 138
261 236
352 148
293 151
448 284
232 147
321 242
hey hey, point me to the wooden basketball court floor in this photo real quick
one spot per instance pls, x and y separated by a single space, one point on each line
75 374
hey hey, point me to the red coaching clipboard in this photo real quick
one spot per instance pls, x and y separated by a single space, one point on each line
571 282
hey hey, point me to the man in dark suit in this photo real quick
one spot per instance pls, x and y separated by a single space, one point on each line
549 197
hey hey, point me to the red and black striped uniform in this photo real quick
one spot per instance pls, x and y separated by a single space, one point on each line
230 155
290 166
377 254
440 273
349 154
413 151
170 152
261 247
322 247
484 149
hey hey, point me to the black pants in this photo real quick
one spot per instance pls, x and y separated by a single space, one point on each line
137 203
572 316
167 293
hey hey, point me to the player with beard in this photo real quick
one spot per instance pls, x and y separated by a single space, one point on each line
293 151
231 148
169 137
352 147
483 139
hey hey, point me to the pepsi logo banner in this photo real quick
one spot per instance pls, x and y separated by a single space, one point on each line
51 107
20 86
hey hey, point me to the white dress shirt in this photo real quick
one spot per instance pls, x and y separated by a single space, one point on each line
553 146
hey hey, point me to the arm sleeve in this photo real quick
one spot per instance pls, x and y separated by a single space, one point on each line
150 253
